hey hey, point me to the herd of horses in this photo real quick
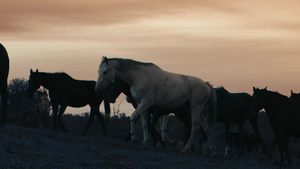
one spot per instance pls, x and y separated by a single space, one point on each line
155 93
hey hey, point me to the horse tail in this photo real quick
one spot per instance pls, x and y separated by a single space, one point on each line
211 107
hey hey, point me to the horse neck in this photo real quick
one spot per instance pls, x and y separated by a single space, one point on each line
273 102
128 76
47 80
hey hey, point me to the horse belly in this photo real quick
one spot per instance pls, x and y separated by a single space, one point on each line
78 100
171 100
171 96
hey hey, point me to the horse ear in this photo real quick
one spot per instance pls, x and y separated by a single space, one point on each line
292 92
254 89
37 70
104 58
265 88
30 71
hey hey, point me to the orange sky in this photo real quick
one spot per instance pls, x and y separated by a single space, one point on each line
237 44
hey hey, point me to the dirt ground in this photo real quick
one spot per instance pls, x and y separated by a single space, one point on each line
22 147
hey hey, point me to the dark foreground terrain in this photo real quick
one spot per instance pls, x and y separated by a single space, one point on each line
22 147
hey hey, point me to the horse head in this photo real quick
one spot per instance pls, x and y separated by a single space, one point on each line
34 83
258 101
115 90
106 74
295 96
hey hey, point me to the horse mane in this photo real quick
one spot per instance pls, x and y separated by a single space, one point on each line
276 95
221 89
129 64
57 75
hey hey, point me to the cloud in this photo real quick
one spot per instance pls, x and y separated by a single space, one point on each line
19 15
48 19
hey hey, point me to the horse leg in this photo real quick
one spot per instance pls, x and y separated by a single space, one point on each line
107 109
185 117
3 100
54 109
153 131
61 112
129 135
91 119
101 119
141 110
274 143
280 146
253 122
242 138
285 142
1 111
197 116
227 139
208 133
163 126
145 125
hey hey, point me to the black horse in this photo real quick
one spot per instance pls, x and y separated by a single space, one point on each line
65 91
236 108
118 86
284 116
4 69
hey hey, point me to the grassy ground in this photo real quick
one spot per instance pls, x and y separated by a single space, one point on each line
23 147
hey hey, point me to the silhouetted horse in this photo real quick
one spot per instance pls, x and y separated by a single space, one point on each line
65 91
119 86
4 69
284 116
236 108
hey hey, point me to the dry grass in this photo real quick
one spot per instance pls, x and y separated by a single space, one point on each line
23 147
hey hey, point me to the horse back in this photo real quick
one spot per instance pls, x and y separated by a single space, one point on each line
74 93
232 107
166 89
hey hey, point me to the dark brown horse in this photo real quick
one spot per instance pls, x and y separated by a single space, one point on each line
65 91
4 69
284 116
236 108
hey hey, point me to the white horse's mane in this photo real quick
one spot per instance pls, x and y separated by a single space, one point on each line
129 64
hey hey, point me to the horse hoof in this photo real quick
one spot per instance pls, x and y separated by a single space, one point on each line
146 143
163 144
185 150
214 153
136 140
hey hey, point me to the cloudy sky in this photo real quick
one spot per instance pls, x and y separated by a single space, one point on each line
237 44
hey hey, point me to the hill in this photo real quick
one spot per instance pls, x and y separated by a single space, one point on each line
23 147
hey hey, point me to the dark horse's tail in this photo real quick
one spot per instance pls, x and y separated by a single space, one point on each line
211 108
4 69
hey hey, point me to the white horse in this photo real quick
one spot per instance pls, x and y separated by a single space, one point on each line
155 88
